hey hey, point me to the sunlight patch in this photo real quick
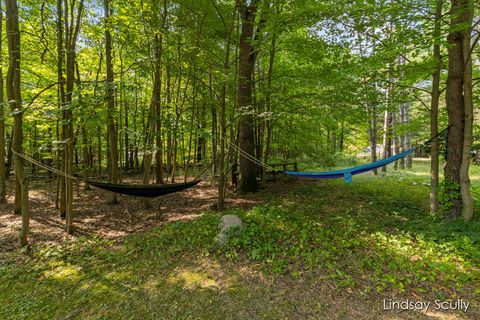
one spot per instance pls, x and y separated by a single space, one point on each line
63 272
192 279
119 275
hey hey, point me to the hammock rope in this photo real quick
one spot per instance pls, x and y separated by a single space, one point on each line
349 172
41 165
249 156
149 191
346 173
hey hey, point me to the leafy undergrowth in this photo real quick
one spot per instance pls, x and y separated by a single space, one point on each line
340 249
373 237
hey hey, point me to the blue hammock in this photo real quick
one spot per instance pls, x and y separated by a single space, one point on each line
349 172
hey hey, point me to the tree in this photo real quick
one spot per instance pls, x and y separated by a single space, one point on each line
110 92
15 100
467 198
435 97
222 181
455 100
72 30
248 179
2 120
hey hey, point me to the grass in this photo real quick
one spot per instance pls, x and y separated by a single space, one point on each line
311 250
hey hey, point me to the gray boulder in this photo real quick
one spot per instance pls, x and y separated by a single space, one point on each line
227 222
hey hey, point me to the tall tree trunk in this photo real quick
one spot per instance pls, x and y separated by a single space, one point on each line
61 103
15 100
156 99
248 180
395 145
223 106
214 129
469 115
86 163
435 98
387 142
268 106
156 107
111 108
408 138
3 175
72 29
455 109
372 134
401 138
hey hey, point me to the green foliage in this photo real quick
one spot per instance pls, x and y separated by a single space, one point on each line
378 240
449 190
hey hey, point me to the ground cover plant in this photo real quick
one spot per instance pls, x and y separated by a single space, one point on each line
308 249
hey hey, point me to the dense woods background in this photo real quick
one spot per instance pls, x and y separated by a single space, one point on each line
158 87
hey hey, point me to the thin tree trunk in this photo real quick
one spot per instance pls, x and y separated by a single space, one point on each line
3 175
222 183
408 138
85 141
435 98
401 138
111 108
395 147
372 133
467 198
156 99
214 129
268 107
61 102
99 150
72 29
386 137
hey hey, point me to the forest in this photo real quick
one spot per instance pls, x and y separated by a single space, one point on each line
340 138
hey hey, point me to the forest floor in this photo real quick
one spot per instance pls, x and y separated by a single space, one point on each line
309 250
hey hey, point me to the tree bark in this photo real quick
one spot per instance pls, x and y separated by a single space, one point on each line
156 97
248 180
72 29
408 138
401 138
268 106
214 130
3 175
60 199
395 145
372 134
111 108
435 98
467 198
222 183
15 100
455 109
387 142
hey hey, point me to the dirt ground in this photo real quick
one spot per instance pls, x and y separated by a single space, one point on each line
93 215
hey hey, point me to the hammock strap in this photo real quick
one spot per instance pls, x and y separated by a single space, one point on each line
426 143
198 177
41 165
63 174
249 156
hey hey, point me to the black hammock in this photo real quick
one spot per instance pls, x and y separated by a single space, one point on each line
147 191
